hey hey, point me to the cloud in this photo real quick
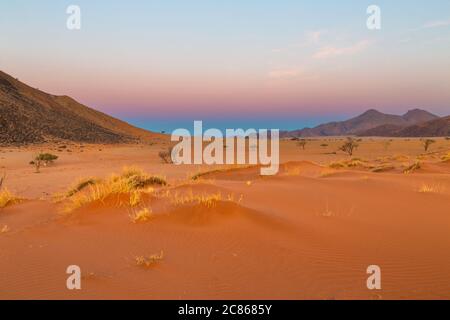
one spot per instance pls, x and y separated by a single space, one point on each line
309 39
288 73
436 24
331 51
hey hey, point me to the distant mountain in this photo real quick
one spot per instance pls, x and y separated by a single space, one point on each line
28 115
364 122
434 128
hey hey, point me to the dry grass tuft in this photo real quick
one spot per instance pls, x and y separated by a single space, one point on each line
383 168
415 166
446 157
135 198
142 215
353 163
150 261
207 200
132 182
7 198
434 188
80 185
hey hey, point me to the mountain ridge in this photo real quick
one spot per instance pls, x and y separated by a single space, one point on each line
368 120
30 116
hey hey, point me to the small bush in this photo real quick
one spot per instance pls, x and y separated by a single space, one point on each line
302 143
42 158
349 146
166 156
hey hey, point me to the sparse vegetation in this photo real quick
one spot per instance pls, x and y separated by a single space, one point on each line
349 146
353 163
427 143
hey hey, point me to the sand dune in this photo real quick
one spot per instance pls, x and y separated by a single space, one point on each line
308 233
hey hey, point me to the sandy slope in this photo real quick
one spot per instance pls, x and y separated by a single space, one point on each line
309 232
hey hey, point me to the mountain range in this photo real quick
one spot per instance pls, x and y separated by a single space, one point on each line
28 115
414 123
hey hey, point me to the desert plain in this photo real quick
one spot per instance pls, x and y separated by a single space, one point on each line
140 228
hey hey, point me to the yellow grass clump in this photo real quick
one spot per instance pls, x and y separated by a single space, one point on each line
135 198
353 163
446 157
431 188
207 200
132 182
7 198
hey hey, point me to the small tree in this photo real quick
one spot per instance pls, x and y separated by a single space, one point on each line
427 143
43 158
349 146
302 143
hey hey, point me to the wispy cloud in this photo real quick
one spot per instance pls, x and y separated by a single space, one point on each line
331 51
309 39
436 24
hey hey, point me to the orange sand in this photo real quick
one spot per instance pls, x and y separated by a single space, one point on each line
308 233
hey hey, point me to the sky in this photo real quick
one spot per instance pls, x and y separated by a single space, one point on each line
284 63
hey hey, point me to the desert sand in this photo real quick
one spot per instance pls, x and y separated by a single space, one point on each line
309 232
